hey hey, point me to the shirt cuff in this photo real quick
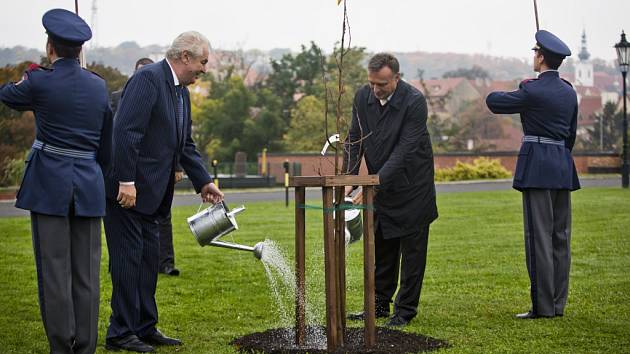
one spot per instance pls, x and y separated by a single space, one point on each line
126 183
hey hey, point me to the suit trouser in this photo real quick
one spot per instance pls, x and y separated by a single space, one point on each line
547 220
133 245
67 257
167 253
409 254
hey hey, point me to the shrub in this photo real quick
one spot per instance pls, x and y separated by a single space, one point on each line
13 171
481 168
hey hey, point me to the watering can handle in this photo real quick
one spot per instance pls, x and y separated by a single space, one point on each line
201 204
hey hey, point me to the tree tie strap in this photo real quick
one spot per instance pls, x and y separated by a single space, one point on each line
339 207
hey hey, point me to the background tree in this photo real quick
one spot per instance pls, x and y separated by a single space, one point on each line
605 135
474 123
17 130
113 77
266 125
476 72
306 132
221 118
296 75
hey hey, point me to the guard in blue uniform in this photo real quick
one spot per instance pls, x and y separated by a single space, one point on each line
545 172
63 183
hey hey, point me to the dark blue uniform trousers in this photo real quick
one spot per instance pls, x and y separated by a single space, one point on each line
134 249
547 216
67 257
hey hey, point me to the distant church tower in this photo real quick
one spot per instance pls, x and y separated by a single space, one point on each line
584 68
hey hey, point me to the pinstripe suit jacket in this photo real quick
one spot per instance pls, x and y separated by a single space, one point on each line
146 146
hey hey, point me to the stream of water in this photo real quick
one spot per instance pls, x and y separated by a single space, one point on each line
282 283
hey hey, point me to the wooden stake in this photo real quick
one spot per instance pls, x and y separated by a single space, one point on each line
330 269
300 266
369 301
340 246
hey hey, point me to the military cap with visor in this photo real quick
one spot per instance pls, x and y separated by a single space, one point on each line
552 44
66 27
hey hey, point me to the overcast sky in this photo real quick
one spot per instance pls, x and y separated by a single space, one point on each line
496 27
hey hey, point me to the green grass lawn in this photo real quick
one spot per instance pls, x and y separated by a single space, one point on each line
475 280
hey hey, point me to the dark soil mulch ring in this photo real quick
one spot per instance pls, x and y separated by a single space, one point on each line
388 341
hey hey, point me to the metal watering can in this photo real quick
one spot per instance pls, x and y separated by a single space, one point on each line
210 224
354 223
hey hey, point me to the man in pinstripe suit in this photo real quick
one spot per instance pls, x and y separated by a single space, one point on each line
152 134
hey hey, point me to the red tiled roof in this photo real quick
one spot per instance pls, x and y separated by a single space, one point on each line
607 82
438 87
485 86
588 91
569 76
589 106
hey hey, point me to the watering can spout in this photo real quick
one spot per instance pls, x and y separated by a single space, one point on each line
258 250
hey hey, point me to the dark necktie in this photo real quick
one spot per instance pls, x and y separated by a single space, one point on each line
180 111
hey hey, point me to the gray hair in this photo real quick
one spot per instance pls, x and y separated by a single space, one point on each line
191 41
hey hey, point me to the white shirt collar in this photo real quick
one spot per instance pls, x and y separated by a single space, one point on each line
384 102
175 79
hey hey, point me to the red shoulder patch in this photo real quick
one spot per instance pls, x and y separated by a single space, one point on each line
36 67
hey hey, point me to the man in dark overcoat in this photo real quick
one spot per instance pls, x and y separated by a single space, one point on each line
545 173
63 183
389 130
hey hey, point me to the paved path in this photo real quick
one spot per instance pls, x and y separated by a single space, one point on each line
236 198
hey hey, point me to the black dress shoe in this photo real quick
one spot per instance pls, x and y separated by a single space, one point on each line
360 316
157 338
169 270
130 343
530 315
397 321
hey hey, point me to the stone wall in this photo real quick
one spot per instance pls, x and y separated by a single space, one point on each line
315 164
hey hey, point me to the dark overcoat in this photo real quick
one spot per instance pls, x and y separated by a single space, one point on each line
549 109
397 148
72 111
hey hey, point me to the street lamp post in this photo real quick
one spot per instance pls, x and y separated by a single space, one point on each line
623 56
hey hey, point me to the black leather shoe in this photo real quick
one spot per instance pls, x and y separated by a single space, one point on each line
397 321
169 270
530 315
130 343
360 316
157 338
